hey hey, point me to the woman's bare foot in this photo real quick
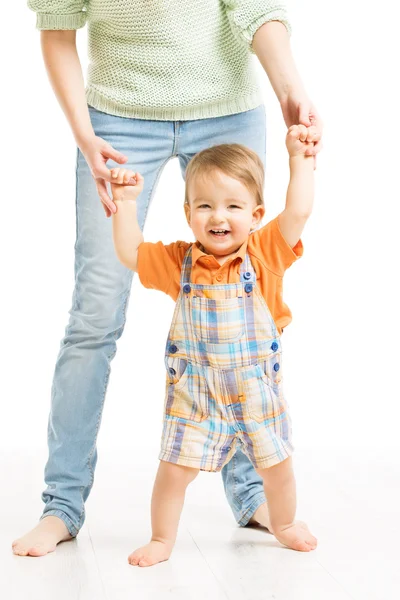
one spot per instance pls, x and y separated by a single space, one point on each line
298 537
43 539
151 554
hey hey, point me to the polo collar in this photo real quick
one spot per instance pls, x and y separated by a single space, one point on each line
198 253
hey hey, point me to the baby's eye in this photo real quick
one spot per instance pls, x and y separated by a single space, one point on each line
234 206
203 206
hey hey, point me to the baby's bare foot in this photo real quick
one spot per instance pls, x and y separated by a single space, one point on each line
151 554
43 538
297 537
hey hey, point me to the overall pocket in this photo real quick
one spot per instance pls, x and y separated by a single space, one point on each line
262 397
218 321
271 368
176 370
186 390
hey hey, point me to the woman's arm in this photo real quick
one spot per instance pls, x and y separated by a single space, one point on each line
127 234
264 27
65 73
271 44
300 193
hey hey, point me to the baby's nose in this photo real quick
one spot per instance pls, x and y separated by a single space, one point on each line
217 218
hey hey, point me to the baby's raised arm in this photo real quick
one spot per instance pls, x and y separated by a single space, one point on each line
126 231
300 193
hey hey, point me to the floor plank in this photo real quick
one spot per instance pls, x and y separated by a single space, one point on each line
357 523
116 533
70 573
349 499
185 576
251 565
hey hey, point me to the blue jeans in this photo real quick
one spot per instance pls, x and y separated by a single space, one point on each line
100 300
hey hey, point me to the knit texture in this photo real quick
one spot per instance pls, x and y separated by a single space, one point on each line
167 59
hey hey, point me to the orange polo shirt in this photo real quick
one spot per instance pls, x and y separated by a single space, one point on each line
159 266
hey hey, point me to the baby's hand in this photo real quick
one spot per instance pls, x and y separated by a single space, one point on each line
123 186
300 140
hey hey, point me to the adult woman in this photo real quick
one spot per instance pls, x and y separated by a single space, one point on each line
165 79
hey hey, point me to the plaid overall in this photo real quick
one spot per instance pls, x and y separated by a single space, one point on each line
223 360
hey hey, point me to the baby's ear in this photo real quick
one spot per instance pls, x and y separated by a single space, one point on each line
258 214
187 212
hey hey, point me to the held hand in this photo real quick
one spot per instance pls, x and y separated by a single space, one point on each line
125 184
300 140
97 152
301 111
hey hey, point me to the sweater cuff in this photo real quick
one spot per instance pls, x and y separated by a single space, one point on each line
61 22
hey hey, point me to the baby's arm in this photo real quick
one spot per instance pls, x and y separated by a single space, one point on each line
126 231
300 193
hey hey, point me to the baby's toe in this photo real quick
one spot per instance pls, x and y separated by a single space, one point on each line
40 550
19 549
301 546
145 562
313 542
134 558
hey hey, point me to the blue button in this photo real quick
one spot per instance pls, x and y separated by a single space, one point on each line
274 346
276 367
173 349
247 275
186 288
172 371
248 287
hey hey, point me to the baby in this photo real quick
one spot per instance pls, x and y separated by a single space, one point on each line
223 353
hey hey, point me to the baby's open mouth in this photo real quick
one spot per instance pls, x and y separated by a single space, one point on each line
219 232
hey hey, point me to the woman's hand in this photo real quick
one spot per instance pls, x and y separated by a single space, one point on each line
97 152
300 111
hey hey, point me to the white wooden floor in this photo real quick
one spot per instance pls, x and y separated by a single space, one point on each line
351 504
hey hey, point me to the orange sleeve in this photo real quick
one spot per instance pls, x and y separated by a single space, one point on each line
159 266
269 245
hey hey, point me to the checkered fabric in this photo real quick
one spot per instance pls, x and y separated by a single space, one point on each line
224 383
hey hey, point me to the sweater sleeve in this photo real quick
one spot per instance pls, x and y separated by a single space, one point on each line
246 16
59 14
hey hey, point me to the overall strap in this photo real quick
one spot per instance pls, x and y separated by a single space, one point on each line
186 270
247 273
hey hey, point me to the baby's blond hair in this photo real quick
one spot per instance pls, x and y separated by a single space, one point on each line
234 160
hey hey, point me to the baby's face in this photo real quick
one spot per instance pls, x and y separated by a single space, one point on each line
221 212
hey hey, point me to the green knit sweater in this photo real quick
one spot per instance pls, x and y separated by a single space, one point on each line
167 59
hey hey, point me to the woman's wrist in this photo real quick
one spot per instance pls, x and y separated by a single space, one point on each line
84 139
293 95
125 200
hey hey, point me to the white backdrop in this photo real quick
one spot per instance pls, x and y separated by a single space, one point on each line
341 351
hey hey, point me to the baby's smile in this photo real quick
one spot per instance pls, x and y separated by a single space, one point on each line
219 232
